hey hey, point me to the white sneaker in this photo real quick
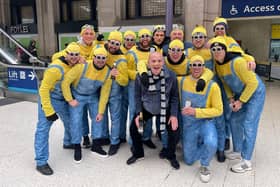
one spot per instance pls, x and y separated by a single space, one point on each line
242 166
205 174
233 155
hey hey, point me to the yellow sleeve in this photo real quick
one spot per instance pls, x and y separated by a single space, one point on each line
122 78
131 66
142 66
71 76
207 75
51 76
104 95
248 58
247 77
214 104
227 90
58 54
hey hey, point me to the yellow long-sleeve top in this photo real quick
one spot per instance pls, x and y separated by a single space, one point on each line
75 74
121 63
51 77
134 56
124 50
247 77
214 104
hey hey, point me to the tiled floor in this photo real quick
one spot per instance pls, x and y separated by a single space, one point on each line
17 165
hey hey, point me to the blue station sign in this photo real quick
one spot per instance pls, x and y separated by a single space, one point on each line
22 80
250 8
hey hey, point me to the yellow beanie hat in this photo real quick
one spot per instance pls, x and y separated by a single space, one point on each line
73 48
144 31
115 35
199 29
219 20
159 28
100 51
219 41
129 32
85 27
176 43
197 58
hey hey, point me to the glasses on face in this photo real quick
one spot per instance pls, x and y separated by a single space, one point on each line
73 54
87 26
115 43
100 57
129 39
214 49
196 37
175 50
196 65
219 28
145 36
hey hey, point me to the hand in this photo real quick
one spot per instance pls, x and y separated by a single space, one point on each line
200 85
251 65
99 117
144 79
82 60
137 121
190 111
114 72
174 122
237 105
52 117
73 103
100 37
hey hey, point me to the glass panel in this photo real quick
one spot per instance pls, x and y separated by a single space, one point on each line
27 15
81 10
153 8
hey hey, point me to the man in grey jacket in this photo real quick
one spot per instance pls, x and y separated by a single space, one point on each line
159 98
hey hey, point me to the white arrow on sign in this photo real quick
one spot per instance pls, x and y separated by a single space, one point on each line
31 75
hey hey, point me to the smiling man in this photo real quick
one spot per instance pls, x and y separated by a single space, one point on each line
159 99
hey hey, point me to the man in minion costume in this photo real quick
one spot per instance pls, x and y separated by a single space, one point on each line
52 105
199 110
134 56
86 81
159 39
246 94
199 36
129 41
118 65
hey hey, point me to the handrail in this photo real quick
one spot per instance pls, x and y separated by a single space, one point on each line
22 66
20 46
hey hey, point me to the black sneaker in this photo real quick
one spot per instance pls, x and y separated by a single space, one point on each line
221 156
149 144
113 149
45 169
133 159
71 146
77 154
104 141
227 144
86 142
97 150
163 153
174 163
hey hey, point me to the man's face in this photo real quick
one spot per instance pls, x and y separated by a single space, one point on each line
175 53
220 30
113 46
155 63
100 60
159 37
72 58
197 68
218 53
88 36
145 40
198 40
129 41
177 34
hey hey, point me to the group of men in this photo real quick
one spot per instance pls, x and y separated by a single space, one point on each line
198 92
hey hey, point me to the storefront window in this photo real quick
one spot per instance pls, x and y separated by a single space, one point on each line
27 15
81 10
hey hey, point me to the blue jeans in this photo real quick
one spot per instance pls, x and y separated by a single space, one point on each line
41 143
124 112
193 150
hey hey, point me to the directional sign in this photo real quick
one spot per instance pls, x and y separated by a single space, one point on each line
22 80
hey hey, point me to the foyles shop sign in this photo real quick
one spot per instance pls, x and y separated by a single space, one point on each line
250 8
